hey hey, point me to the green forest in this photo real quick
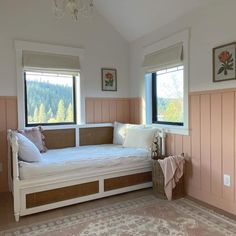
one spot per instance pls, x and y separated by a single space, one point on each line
170 110
49 103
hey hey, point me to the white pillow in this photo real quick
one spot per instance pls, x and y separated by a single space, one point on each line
139 138
135 126
27 150
120 131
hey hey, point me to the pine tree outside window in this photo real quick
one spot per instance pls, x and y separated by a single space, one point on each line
49 98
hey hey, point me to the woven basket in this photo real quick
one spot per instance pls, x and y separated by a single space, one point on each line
158 180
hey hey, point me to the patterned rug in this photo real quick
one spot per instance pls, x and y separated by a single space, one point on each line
144 216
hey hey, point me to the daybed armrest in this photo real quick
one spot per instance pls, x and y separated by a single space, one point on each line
13 154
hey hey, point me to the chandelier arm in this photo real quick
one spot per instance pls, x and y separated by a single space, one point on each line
76 8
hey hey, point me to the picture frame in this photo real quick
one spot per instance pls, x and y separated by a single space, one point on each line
109 79
224 62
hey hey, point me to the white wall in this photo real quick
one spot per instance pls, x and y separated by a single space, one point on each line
32 20
209 26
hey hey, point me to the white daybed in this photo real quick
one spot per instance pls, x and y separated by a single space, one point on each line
62 179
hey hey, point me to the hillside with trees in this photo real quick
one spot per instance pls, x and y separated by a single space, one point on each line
49 103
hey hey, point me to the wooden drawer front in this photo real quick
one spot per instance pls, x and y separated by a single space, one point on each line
61 194
127 180
60 138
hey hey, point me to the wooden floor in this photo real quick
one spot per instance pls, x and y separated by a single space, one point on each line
7 220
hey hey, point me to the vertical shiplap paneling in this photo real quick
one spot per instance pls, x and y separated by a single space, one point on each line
136 110
178 139
188 166
105 111
120 111
112 106
11 123
3 146
170 144
196 146
211 146
167 145
187 146
98 111
205 142
89 110
228 142
216 135
8 120
102 110
126 105
11 113
132 111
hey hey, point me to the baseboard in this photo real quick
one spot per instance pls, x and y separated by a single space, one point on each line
213 208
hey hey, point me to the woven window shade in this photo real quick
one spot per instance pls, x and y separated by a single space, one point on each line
171 56
35 60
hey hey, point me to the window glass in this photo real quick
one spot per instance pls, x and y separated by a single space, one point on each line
168 96
49 98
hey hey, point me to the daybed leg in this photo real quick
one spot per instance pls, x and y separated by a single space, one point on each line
16 199
17 217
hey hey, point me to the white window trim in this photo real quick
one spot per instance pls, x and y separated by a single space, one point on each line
20 46
183 37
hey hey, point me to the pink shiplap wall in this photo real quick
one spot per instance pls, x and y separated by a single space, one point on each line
103 110
8 120
211 146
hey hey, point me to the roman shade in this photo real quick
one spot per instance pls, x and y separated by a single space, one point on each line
171 56
36 60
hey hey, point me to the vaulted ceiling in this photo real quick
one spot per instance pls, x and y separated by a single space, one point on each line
135 18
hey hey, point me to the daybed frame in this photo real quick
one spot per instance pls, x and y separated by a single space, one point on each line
37 195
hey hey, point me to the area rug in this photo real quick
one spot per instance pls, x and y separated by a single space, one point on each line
144 216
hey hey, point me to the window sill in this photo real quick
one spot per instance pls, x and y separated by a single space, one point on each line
53 127
172 129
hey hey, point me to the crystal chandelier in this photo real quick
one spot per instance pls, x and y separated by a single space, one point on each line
76 8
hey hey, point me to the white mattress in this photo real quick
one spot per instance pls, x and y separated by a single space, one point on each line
83 159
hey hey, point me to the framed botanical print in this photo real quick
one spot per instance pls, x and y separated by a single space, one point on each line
109 79
224 62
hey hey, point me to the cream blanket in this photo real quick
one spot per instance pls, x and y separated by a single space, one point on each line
173 168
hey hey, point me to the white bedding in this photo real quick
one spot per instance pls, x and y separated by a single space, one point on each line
83 159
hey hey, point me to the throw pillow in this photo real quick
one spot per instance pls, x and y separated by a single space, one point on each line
139 138
27 150
119 133
36 136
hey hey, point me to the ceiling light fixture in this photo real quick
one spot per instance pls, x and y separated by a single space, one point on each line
76 8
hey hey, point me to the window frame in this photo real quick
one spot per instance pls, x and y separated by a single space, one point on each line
154 102
21 46
50 124
180 37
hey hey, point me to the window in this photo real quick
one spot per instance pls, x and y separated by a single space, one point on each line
49 98
168 96
166 69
